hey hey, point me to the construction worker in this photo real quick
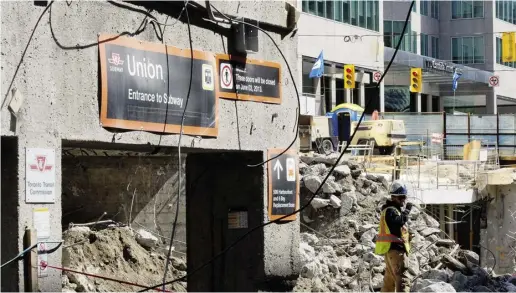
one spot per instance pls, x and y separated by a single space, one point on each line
393 240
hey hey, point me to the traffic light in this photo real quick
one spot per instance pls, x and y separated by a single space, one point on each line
509 47
416 79
349 76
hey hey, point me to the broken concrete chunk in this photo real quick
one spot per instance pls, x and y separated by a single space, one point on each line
330 159
367 226
453 264
373 259
481 289
367 237
413 267
330 186
178 263
342 170
318 203
306 158
470 256
440 275
146 239
430 221
303 168
438 287
356 173
333 268
429 231
318 286
348 200
372 177
310 270
312 182
445 242
335 201
318 169
414 213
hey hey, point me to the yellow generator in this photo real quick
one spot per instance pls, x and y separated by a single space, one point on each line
315 133
384 133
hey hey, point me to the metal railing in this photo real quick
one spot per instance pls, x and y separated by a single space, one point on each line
447 166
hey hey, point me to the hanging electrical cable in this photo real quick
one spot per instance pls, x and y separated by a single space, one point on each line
167 262
224 251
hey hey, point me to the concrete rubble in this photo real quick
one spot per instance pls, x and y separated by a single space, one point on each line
337 240
116 252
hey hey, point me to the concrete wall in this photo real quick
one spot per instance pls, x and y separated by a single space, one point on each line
501 226
58 77
97 184
365 53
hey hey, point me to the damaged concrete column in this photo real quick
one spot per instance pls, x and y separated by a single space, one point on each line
40 139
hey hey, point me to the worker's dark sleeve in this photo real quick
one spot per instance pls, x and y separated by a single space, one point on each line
393 218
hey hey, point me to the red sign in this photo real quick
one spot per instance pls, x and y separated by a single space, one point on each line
41 164
377 76
494 80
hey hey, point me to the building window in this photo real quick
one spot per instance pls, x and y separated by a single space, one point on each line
506 11
423 7
329 10
424 45
435 47
392 33
467 9
434 9
468 50
364 13
499 54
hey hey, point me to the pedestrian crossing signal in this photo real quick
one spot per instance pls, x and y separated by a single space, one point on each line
415 80
349 76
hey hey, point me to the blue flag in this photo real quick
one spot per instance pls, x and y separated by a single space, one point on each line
318 68
456 76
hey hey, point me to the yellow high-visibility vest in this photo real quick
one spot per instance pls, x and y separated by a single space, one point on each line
385 238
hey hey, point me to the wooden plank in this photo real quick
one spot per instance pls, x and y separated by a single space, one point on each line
30 261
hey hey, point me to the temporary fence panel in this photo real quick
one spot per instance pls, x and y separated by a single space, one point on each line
419 126
507 129
481 126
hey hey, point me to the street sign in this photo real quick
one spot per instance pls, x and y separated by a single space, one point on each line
437 137
40 175
226 76
144 87
283 185
377 76
249 79
494 81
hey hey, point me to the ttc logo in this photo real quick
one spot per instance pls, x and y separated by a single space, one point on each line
115 59
41 164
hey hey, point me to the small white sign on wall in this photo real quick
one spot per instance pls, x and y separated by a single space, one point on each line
40 175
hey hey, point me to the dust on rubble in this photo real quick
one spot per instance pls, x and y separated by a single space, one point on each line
337 248
115 252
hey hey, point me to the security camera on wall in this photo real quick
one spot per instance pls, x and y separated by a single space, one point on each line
292 15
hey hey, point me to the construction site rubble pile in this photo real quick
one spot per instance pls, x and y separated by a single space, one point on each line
119 253
340 225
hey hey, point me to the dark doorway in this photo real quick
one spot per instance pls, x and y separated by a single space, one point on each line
339 83
10 217
218 186
344 126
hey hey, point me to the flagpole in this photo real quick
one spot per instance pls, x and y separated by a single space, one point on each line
453 102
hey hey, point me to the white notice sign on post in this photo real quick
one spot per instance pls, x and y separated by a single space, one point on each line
40 175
